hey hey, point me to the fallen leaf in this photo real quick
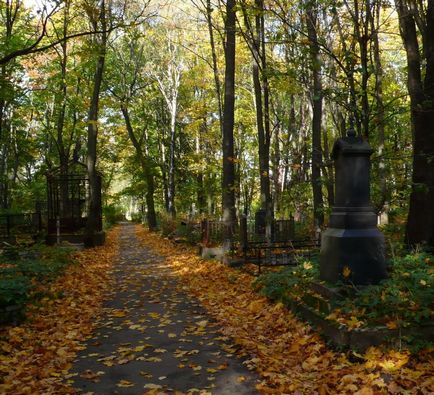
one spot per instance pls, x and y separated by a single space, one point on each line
152 386
125 384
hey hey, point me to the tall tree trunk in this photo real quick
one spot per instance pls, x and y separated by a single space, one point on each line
318 205
162 148
263 147
262 109
60 99
228 184
291 132
147 171
94 216
169 84
380 124
260 23
61 96
256 40
276 169
361 31
172 148
4 137
201 198
11 10
420 223
214 62
328 170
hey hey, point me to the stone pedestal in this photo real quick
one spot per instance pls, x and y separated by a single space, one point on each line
352 248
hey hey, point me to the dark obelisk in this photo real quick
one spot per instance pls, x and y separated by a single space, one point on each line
352 240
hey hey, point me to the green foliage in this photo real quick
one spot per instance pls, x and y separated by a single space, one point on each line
290 281
404 299
22 276
13 290
188 231
168 225
393 233
137 217
112 214
10 252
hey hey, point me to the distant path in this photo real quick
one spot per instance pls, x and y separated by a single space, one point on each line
154 337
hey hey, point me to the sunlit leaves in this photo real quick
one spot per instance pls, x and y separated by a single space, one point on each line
283 350
36 356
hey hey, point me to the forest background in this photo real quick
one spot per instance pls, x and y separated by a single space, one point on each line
205 108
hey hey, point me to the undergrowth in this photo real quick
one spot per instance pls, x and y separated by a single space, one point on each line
404 299
23 272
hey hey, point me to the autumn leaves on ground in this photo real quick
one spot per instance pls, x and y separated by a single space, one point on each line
37 356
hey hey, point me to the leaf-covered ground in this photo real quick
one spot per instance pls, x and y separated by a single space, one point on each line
36 355
153 338
288 355
150 337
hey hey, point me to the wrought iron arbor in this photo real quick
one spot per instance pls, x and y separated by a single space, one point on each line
68 202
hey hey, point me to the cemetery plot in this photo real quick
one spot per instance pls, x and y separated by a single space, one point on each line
20 225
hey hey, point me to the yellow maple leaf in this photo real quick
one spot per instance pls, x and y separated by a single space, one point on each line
392 324
125 384
346 272
256 306
118 313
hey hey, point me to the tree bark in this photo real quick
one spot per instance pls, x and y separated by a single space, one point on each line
172 148
318 204
147 170
94 216
420 223
328 170
61 96
201 198
228 184
276 169
255 37
214 62
11 10
169 87
262 109
380 123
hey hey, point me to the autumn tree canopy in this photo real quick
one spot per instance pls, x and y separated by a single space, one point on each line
214 109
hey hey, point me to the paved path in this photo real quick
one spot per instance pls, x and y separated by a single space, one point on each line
154 337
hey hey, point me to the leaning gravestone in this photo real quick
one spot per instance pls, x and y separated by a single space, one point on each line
352 247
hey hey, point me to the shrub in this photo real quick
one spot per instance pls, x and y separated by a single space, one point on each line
403 299
189 231
290 281
168 225
21 277
112 214
137 218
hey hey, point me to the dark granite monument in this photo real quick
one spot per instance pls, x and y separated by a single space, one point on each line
352 248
